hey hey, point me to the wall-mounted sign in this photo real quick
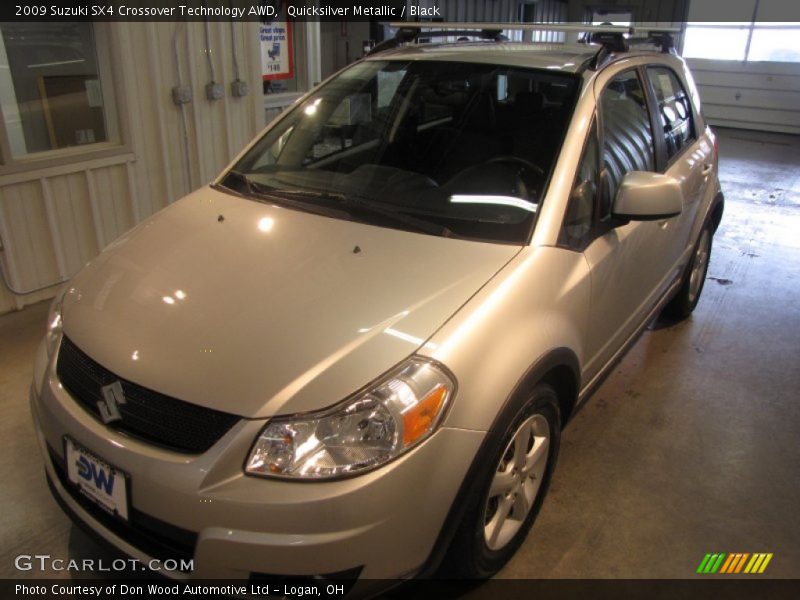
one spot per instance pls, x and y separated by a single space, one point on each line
277 60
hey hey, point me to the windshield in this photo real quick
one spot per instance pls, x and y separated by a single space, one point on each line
447 148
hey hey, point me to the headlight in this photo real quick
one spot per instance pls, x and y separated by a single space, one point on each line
367 430
54 323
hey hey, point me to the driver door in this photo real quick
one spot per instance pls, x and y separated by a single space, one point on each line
629 263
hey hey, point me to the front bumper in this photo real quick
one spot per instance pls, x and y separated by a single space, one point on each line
235 526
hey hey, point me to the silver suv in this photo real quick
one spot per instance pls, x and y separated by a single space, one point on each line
352 355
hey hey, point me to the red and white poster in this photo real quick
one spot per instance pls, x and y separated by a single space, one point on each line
277 60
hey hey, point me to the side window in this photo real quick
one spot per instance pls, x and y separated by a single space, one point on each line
675 111
579 219
627 134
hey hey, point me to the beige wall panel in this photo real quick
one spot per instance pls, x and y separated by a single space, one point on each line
74 214
150 184
26 236
92 204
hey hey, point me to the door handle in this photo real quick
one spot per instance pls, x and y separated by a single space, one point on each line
706 169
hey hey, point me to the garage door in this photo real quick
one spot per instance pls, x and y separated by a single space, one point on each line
749 95
747 69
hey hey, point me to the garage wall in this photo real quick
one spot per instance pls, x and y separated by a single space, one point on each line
747 94
55 218
763 96
341 44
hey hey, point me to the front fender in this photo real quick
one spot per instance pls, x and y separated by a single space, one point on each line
531 312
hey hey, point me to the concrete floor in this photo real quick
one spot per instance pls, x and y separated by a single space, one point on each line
690 446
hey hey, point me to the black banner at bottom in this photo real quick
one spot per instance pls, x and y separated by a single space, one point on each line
496 589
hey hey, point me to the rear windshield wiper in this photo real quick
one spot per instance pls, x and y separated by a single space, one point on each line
359 204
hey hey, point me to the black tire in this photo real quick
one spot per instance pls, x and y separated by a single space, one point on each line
687 297
469 555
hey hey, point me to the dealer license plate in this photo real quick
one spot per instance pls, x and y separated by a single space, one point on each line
96 479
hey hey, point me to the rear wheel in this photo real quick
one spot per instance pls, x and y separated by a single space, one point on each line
685 301
514 482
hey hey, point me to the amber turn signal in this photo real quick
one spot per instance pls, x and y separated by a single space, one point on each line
421 418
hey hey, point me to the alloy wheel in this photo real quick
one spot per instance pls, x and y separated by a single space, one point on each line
516 481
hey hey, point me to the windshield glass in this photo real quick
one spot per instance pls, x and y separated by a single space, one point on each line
447 148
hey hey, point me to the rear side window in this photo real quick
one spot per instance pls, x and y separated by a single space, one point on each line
674 108
627 134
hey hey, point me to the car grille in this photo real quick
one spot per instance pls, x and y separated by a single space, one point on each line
150 535
148 415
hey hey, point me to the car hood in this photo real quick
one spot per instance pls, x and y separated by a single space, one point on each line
258 310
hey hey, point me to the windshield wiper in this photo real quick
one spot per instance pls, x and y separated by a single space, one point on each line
360 204
258 191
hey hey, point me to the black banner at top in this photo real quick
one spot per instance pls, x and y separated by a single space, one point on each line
212 10
345 10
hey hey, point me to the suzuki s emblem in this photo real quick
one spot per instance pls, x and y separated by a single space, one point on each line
113 396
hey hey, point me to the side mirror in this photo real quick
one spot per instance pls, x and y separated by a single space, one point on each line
645 196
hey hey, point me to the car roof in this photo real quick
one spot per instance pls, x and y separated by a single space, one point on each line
570 58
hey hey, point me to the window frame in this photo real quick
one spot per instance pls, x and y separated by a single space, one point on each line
108 49
607 223
562 242
665 162
601 226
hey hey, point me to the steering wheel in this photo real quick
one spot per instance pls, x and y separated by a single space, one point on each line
509 158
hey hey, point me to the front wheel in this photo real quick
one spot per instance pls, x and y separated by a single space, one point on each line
514 483
685 301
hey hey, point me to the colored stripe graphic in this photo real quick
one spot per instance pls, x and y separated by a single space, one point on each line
718 563
754 562
727 564
733 563
764 564
703 563
744 558
711 563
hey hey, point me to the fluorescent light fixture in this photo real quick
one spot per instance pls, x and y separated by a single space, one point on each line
504 200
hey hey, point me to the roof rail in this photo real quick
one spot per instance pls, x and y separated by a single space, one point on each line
476 25
406 34
611 37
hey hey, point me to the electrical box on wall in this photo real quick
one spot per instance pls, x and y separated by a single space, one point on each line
214 91
181 94
239 88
